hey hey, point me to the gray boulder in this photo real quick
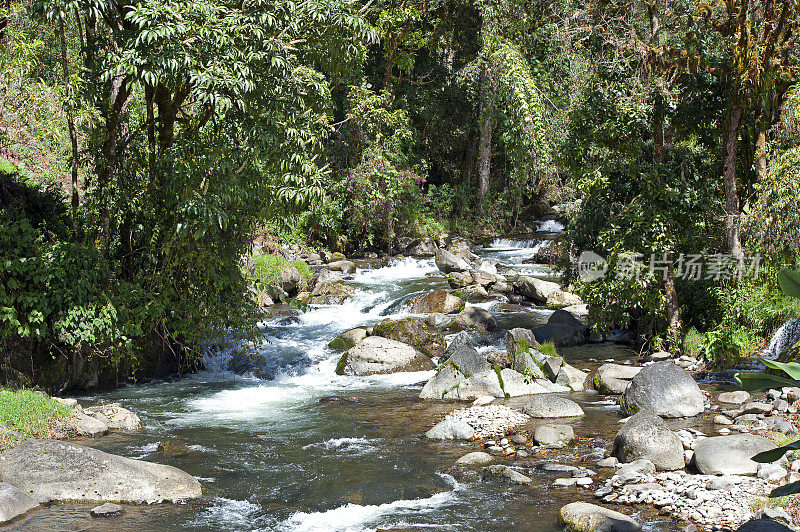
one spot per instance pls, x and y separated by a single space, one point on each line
377 355
67 472
585 517
506 472
763 525
477 458
614 378
443 382
348 339
449 263
665 390
451 429
465 357
551 406
474 318
645 435
554 435
737 397
14 502
572 378
289 279
519 340
536 289
480 384
438 301
526 364
115 417
561 334
731 455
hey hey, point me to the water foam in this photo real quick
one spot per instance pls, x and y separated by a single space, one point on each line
551 226
404 269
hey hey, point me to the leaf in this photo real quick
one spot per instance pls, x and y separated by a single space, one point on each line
789 281
761 381
788 489
790 368
773 455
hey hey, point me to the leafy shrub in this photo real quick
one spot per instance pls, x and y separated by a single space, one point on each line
548 348
267 269
693 342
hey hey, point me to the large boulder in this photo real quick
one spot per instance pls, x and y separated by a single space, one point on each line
438 301
376 355
730 455
645 435
585 517
289 279
348 339
554 435
67 472
506 383
330 293
14 502
665 390
449 263
451 428
572 378
536 289
462 248
115 417
474 318
463 355
614 378
445 380
561 299
551 406
414 332
763 525
561 334
517 340
529 364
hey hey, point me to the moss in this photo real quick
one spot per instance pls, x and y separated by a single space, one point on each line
337 344
497 370
341 364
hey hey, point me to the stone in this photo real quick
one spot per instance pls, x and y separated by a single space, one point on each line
14 502
474 318
635 469
86 425
514 384
108 509
525 363
554 434
551 366
646 436
344 266
763 525
737 397
771 472
68 472
519 439
348 339
730 455
719 419
174 448
756 408
376 355
70 402
475 386
477 458
504 471
449 263
438 321
328 276
473 293
413 332
665 390
618 371
438 301
330 293
561 334
289 279
115 417
519 340
498 358
551 406
586 517
465 357
451 429
776 514
445 380
611 461
572 378
561 299
536 289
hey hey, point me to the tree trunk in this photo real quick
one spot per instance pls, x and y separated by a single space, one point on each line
761 145
658 128
485 140
732 240
674 321
73 136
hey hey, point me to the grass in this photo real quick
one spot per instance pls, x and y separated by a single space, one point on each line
548 348
31 414
693 342
267 269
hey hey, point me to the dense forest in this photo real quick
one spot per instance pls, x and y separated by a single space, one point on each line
145 145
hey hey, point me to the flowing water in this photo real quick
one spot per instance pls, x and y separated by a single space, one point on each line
298 448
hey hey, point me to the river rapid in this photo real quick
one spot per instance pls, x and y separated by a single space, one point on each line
290 446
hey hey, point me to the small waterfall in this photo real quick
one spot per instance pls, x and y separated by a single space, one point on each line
785 337
551 226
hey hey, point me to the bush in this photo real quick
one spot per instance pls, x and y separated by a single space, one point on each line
267 269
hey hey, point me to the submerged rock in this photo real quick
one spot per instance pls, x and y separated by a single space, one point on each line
551 406
554 435
504 471
65 471
585 517
377 355
645 435
665 390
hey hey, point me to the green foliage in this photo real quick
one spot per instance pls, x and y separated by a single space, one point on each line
32 414
728 344
693 342
548 348
267 269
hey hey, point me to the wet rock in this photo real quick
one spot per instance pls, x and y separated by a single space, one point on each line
473 293
65 471
515 384
451 429
449 263
645 435
551 406
763 525
344 266
447 379
438 321
330 293
475 459
474 318
377 355
414 332
328 276
665 390
730 455
756 408
86 425
174 448
504 471
14 502
459 279
439 301
585 517
115 417
554 435
348 339
108 509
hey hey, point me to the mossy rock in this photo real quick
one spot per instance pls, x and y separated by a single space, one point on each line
340 365
414 332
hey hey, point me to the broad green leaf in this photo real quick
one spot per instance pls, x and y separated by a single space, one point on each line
790 368
760 381
789 281
774 455
788 489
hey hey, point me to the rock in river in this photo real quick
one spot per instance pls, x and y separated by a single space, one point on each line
377 355
13 502
451 428
65 471
449 263
438 301
414 332
585 517
730 455
554 435
665 390
551 406
645 435
474 318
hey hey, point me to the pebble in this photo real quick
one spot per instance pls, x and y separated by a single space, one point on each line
490 420
519 439
108 509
